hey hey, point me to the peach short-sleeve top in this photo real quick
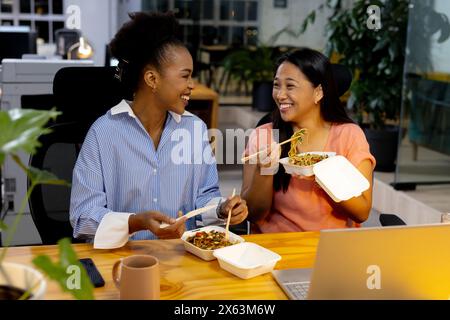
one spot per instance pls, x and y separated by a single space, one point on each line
305 206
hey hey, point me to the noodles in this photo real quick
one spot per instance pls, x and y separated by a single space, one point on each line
209 240
297 138
306 159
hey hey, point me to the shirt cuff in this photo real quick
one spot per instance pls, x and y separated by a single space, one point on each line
113 231
210 216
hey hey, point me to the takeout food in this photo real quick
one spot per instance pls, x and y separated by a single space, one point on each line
296 138
302 163
207 254
306 159
210 240
301 168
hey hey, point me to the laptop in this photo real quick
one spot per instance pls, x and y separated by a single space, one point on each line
407 262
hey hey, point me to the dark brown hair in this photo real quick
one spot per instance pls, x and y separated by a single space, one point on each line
317 69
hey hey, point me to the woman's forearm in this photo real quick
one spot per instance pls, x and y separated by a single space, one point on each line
357 209
257 190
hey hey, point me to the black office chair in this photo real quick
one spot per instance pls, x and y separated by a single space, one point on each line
49 205
387 219
82 94
85 93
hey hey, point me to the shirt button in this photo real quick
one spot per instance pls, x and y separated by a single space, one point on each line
155 200
154 171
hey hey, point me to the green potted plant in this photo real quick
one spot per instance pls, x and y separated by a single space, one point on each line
377 57
254 65
21 129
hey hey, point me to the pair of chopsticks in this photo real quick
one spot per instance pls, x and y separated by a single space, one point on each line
227 235
245 159
191 214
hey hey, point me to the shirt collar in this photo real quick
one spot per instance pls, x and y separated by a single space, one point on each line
124 106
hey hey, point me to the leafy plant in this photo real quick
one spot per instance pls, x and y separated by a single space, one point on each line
21 129
376 56
58 271
250 64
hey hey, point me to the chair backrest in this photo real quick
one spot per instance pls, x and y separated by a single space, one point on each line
82 94
85 93
49 205
387 220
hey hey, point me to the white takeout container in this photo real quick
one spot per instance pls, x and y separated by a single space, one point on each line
202 253
246 260
302 170
340 178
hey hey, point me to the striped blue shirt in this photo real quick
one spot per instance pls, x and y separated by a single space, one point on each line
119 170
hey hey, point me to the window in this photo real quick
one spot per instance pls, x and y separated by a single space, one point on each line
42 16
6 6
218 21
155 5
25 6
41 7
208 9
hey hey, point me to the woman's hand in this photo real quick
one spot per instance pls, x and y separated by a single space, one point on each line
238 207
268 159
151 220
270 155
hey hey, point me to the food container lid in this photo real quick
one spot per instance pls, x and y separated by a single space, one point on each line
247 255
340 178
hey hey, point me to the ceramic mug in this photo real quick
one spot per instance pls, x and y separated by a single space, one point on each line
138 278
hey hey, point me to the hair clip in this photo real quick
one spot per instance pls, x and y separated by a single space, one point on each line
119 69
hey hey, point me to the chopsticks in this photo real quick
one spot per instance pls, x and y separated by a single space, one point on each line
229 218
191 214
244 159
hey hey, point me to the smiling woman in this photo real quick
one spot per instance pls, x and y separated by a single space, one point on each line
126 182
305 93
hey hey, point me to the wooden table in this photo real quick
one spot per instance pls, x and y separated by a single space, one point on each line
208 113
183 275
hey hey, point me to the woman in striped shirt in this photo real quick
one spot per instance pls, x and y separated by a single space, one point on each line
147 159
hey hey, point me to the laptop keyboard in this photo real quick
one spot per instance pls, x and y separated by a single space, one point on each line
298 290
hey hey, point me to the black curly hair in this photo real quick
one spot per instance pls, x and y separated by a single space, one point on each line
145 40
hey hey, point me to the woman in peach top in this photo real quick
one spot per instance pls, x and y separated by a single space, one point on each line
305 93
